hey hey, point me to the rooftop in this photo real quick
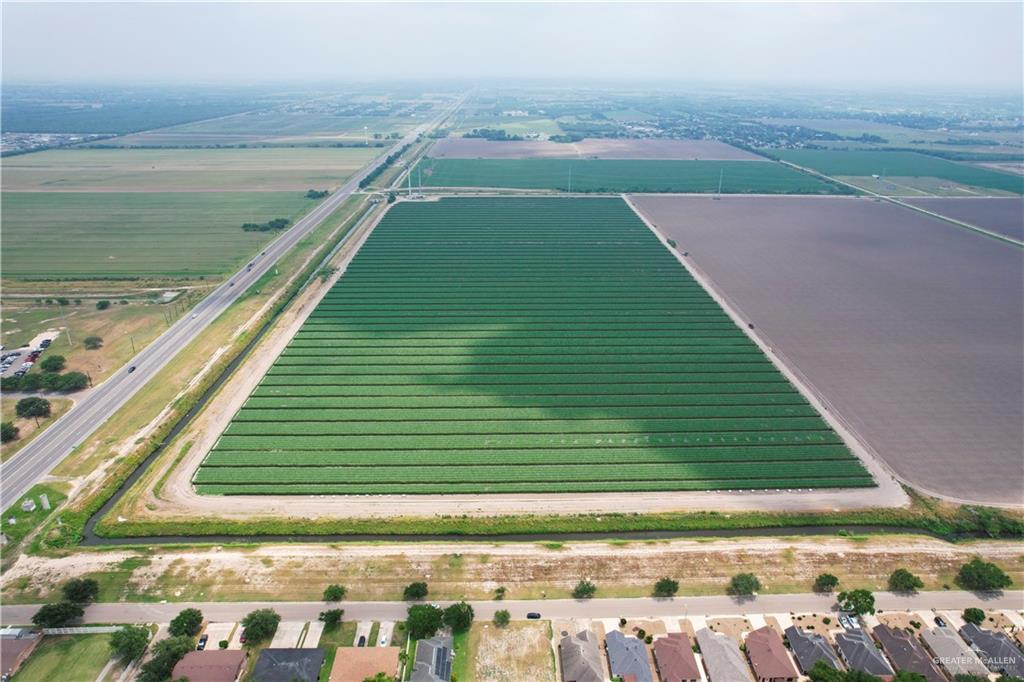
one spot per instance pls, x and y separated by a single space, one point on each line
355 664
288 665
907 653
996 650
809 648
215 665
580 657
768 655
627 657
722 657
860 653
674 657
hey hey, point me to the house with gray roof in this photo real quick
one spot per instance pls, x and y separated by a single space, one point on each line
859 652
809 648
952 653
288 665
906 652
627 657
433 661
995 650
580 658
722 657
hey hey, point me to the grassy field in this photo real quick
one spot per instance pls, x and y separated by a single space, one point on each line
506 345
27 428
899 164
113 234
167 170
603 175
77 658
513 125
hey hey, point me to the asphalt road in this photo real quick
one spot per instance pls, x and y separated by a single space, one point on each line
548 608
39 457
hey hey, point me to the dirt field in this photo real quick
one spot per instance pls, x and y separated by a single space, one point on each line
910 328
519 651
707 150
473 570
1005 216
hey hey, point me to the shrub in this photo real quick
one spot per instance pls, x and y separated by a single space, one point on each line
744 584
92 342
458 616
415 592
502 618
903 580
974 615
584 590
666 587
8 432
499 593
129 642
222 644
102 305
335 593
332 617
826 582
52 363
166 654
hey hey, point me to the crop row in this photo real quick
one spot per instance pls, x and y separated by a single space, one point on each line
429 404
524 456
770 384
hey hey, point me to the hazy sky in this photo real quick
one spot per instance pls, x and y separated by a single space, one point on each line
885 45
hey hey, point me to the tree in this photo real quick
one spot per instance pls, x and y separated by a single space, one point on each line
8 432
903 580
823 672
260 624
859 602
458 616
30 382
666 587
744 585
415 591
981 576
335 593
186 623
129 642
584 590
826 582
57 615
379 677
92 342
81 590
102 304
502 618
974 615
166 654
34 407
499 592
72 381
424 620
53 363
332 617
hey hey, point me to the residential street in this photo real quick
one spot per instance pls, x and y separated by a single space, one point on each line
548 608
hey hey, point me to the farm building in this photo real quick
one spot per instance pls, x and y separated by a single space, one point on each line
355 664
722 657
220 665
768 656
952 653
809 648
433 660
674 659
859 652
627 657
288 665
995 649
16 645
906 653
580 657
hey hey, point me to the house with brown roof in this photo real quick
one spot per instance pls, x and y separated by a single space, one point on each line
907 653
16 646
355 664
768 657
674 659
214 665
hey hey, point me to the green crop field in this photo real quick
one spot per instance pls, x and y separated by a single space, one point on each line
607 175
899 164
486 345
176 170
113 234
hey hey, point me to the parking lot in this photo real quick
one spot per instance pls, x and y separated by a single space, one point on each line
18 361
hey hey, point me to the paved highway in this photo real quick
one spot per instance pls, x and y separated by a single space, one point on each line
679 607
38 458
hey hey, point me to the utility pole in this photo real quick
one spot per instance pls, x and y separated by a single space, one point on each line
570 179
721 176
132 339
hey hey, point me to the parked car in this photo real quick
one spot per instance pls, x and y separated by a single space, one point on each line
362 640
45 343
940 621
202 642
533 615
241 637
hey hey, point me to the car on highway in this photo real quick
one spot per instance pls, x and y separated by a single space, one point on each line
131 369
533 615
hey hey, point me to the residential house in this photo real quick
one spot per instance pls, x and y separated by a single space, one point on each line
674 659
433 661
768 657
809 648
722 657
580 657
859 652
213 665
627 657
995 650
907 653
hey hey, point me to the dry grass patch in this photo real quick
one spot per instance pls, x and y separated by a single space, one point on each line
520 651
